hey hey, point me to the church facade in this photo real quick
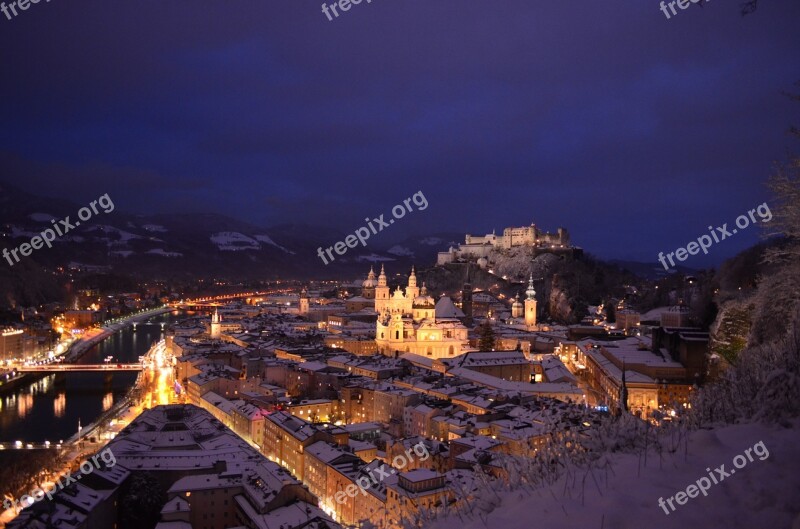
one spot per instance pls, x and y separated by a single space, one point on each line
410 321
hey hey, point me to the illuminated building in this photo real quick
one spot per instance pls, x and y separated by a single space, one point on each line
411 322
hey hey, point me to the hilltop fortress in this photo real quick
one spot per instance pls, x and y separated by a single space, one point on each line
477 247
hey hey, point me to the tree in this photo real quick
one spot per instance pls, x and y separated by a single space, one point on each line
777 297
611 311
141 504
486 341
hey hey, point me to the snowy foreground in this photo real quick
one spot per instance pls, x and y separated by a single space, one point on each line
762 494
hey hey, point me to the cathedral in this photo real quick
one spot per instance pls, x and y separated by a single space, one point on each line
410 321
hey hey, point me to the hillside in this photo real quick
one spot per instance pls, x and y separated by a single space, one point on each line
624 495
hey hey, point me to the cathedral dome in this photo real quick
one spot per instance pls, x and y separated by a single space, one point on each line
370 281
424 302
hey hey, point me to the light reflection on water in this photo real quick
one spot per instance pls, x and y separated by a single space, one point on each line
108 401
24 405
60 405
38 411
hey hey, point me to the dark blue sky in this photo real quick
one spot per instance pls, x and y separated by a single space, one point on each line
633 131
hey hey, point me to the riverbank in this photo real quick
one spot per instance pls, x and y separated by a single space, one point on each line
116 412
80 346
94 436
83 344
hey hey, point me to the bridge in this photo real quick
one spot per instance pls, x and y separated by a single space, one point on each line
58 368
19 445
213 302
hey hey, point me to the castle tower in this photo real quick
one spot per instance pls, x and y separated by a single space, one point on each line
530 304
304 302
215 325
381 293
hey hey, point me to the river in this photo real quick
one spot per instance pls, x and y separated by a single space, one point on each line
49 409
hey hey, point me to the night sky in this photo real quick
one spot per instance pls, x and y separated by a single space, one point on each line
633 131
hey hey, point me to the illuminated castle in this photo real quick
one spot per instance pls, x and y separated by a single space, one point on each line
478 246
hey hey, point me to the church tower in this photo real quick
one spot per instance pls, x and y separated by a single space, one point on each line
517 309
304 301
215 325
412 291
381 293
530 305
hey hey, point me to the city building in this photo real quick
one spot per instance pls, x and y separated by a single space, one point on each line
210 479
676 316
286 437
410 321
11 343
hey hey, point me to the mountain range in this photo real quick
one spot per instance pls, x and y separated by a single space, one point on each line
176 246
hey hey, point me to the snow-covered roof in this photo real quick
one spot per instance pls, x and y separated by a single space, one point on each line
445 308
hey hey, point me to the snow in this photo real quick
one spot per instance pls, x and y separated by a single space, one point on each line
445 308
124 236
267 239
763 493
373 258
431 241
401 251
19 232
234 241
516 264
163 253
122 253
654 314
154 227
41 217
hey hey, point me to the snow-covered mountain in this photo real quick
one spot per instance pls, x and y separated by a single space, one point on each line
195 244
